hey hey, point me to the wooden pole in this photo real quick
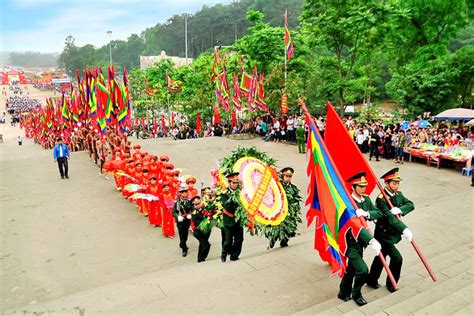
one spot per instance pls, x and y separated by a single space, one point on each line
413 243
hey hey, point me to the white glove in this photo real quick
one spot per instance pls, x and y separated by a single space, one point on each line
180 218
188 216
407 234
360 212
396 211
376 246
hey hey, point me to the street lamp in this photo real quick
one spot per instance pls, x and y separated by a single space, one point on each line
110 46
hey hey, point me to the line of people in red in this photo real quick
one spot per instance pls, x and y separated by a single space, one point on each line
152 185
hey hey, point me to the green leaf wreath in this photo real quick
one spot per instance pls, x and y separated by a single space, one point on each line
289 225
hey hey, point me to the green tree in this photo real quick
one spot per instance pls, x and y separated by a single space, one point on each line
345 29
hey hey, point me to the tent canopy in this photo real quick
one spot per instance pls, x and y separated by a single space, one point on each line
455 115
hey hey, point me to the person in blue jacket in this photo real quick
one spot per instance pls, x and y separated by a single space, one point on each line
61 155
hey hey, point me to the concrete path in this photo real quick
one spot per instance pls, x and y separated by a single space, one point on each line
75 247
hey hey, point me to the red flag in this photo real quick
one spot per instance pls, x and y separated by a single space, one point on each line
143 123
155 126
289 49
163 125
234 118
217 116
344 151
172 119
136 121
198 124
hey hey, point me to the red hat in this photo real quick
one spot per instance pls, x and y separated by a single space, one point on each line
358 179
166 183
392 175
145 169
189 180
153 176
175 172
169 166
137 147
164 158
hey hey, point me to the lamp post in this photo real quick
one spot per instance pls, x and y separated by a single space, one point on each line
110 46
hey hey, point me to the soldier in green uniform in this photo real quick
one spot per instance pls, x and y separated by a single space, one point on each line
292 193
233 233
300 138
388 229
182 209
357 271
202 237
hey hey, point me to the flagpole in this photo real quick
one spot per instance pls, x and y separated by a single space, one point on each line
286 57
413 243
363 222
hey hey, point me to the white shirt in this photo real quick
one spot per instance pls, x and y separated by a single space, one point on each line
290 124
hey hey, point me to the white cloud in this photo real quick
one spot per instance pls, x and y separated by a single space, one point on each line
88 21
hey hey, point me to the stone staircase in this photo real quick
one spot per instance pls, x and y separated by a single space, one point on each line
451 294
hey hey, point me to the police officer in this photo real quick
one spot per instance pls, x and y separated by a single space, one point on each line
182 209
233 233
357 271
388 229
202 237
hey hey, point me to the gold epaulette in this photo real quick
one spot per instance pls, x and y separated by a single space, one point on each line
380 196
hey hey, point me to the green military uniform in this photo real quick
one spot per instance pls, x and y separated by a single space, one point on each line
182 208
233 233
203 238
290 224
300 139
356 272
388 232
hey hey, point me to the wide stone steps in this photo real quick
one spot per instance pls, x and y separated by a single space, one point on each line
451 303
418 293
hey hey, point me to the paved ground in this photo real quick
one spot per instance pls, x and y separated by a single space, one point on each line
76 247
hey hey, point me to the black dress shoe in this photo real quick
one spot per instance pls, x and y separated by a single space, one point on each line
373 285
67 177
62 177
223 258
391 289
234 258
185 252
284 243
343 297
360 301
271 244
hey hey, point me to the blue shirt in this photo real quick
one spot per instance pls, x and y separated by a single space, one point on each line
60 149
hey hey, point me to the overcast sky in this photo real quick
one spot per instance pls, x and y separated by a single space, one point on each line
43 25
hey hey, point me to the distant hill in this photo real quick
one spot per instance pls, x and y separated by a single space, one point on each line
217 25
29 59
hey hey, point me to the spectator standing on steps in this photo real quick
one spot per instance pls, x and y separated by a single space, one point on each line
61 155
